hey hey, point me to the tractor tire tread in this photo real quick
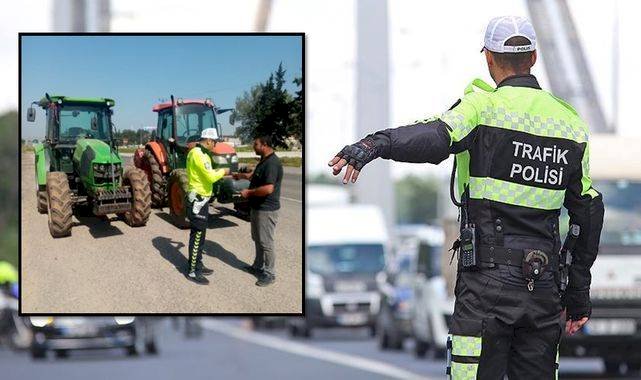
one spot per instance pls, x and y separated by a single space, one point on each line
60 204
158 183
141 194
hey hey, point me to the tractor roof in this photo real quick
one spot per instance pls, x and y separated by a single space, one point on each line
69 99
161 106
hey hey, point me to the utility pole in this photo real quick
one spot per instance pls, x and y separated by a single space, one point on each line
262 15
81 15
372 102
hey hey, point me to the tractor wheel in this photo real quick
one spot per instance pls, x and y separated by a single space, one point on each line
178 189
141 197
59 204
156 181
42 201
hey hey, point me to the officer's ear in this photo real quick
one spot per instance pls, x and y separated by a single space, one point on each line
533 58
488 58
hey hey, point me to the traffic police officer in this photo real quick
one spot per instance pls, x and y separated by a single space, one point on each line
201 177
522 154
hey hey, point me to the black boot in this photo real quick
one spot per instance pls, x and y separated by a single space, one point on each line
204 270
251 269
197 277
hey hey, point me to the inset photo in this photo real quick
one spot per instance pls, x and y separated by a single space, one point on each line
161 174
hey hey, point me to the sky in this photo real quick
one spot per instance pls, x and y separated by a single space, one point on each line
139 71
427 71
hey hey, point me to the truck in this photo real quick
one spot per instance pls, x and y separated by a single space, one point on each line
346 251
164 157
613 332
78 167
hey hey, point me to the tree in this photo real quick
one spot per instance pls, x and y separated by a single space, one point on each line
267 109
296 127
416 199
133 136
9 187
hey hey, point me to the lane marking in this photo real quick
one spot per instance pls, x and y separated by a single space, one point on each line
302 349
292 199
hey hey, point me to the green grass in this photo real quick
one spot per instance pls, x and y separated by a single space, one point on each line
286 161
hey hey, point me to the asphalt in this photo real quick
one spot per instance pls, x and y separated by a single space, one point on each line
108 267
228 349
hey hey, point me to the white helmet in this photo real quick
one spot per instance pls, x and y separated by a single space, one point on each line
209 133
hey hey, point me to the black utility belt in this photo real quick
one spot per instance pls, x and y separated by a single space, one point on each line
493 255
533 262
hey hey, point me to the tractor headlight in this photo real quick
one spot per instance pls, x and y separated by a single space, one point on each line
102 170
234 159
220 160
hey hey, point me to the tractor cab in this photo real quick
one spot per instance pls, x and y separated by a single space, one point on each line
79 141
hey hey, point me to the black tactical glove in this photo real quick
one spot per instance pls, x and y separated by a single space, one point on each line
577 304
359 154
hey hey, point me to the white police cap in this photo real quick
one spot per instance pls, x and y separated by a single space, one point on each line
209 133
501 29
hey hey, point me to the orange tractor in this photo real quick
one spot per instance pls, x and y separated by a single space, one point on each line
180 122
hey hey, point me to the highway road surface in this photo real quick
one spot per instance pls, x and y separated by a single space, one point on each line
105 266
229 349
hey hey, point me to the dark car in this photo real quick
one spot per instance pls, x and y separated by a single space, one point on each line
62 334
394 320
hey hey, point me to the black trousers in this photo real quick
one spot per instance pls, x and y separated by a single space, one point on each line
500 328
197 234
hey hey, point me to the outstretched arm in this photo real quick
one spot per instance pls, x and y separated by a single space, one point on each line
426 141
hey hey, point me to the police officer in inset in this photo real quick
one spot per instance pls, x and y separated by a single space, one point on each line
201 177
521 155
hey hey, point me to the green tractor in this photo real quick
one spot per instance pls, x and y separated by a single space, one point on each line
78 166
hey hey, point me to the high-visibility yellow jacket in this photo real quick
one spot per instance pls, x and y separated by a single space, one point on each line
200 173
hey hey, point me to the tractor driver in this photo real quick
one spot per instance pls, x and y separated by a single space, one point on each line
201 177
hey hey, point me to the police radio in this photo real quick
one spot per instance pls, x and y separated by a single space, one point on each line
468 250
466 243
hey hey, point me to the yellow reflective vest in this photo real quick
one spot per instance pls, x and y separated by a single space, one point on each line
200 173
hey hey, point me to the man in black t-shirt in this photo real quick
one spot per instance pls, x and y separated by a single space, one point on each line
264 200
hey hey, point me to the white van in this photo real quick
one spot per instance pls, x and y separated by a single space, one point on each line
433 306
346 249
